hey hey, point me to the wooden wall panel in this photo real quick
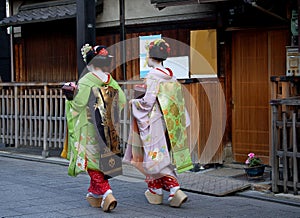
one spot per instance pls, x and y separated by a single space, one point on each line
250 85
277 51
256 56
17 58
50 52
206 106
19 76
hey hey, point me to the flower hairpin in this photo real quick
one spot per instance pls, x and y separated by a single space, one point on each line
168 49
84 50
103 52
151 45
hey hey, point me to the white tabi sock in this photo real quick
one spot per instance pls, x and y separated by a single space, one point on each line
90 194
109 191
172 192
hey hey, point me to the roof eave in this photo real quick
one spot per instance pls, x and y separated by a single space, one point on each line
20 23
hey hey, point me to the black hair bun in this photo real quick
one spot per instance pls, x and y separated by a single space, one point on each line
97 55
159 50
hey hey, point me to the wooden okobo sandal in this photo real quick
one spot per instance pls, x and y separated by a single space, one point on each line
94 202
109 203
178 199
153 198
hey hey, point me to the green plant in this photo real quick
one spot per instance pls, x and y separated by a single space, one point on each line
253 161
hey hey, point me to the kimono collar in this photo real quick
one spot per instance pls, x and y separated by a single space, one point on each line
93 79
97 72
166 71
102 76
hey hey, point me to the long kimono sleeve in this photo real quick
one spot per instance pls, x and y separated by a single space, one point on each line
76 113
142 108
148 117
76 109
122 97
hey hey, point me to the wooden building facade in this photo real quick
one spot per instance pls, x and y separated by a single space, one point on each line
251 41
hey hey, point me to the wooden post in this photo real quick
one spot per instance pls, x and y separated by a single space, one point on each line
16 128
45 152
5 72
122 37
284 146
274 158
298 3
295 167
85 26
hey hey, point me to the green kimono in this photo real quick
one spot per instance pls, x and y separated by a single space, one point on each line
83 141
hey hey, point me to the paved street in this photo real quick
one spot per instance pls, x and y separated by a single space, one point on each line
36 189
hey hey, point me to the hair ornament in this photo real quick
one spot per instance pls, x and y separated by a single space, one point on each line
161 43
84 50
103 52
158 49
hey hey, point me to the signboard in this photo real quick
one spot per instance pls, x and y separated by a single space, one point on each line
144 41
179 65
203 53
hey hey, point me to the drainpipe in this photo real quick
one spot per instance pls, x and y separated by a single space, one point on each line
85 27
122 37
298 10
11 36
12 71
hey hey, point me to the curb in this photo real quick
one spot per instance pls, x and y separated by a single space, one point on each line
268 197
51 160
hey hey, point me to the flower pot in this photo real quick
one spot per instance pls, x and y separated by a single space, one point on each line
255 171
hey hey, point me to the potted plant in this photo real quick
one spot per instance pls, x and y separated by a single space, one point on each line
255 166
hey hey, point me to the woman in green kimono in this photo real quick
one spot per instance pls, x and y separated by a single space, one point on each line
93 143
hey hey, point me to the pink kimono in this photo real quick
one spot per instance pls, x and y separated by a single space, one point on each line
157 138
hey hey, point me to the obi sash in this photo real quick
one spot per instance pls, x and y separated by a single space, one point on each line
172 104
108 125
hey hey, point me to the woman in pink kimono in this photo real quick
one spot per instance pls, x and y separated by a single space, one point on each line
157 144
93 146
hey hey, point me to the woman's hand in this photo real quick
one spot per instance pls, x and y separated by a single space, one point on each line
69 90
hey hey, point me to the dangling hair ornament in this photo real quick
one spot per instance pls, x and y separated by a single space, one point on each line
84 50
103 52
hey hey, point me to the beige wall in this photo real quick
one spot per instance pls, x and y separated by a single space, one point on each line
142 12
204 53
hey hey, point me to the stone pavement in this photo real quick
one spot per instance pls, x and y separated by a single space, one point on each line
228 181
32 188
